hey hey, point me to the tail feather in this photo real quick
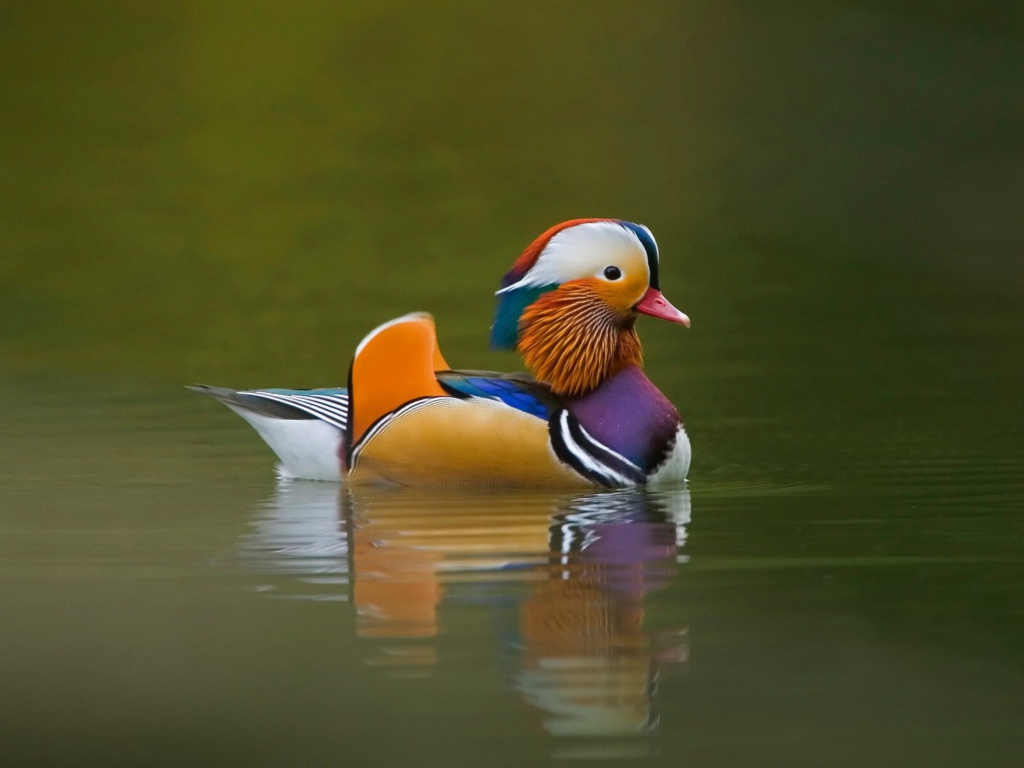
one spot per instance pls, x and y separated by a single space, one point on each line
251 402
330 405
306 436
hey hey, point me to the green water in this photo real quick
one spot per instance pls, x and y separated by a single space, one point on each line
235 193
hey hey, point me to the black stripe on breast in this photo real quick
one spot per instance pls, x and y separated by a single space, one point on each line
568 449
604 455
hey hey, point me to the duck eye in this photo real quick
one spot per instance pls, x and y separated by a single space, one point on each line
612 273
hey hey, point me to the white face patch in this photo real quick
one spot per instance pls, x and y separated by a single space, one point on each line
587 250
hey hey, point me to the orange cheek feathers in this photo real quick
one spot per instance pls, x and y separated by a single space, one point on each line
579 334
621 295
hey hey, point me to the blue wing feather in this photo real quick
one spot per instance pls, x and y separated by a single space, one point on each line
522 396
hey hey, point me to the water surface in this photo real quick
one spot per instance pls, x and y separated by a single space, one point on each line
167 601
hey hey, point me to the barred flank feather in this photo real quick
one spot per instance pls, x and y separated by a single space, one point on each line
573 339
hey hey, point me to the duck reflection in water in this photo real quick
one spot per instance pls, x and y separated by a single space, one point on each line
564 578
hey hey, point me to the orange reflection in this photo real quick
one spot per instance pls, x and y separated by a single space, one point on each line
405 544
566 574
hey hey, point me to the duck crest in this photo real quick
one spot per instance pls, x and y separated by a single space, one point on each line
573 340
533 251
511 303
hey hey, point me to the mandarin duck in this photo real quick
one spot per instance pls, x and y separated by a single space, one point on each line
587 417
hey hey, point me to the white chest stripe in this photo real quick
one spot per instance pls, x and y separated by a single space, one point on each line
584 457
598 447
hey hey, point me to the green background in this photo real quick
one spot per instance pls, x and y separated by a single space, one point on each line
241 190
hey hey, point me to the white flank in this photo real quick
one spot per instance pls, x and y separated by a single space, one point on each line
677 465
308 448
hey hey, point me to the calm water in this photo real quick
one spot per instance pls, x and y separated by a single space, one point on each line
165 601
235 193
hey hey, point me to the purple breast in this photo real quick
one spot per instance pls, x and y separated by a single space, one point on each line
629 414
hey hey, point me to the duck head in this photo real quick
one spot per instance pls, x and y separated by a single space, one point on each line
570 303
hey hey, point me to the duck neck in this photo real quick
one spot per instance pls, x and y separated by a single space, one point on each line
573 341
